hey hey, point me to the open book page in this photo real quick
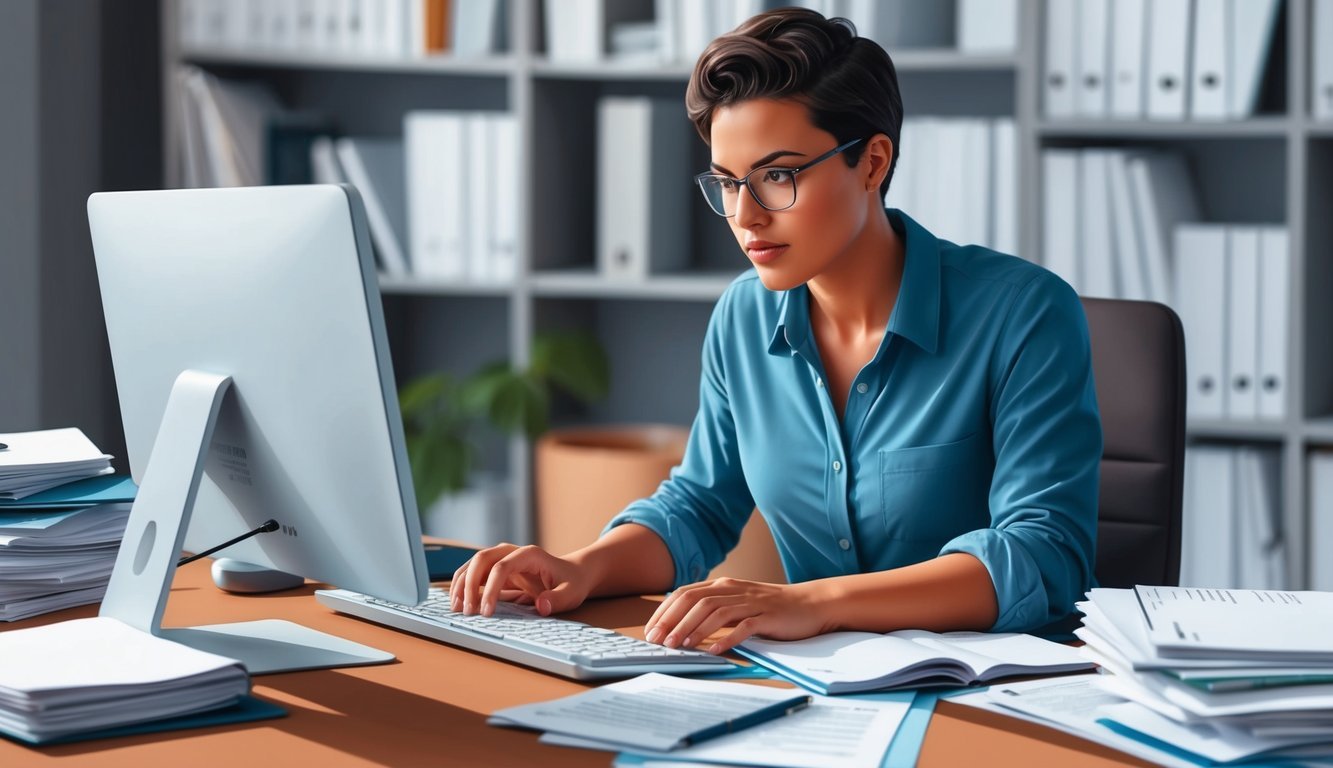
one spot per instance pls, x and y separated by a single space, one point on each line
839 661
989 655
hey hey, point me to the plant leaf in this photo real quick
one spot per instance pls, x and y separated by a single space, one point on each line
422 394
520 404
574 363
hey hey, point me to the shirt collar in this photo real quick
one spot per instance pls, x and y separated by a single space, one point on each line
916 315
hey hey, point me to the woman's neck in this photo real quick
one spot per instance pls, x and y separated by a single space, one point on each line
854 297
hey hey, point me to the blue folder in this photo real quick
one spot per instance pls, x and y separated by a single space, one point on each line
103 489
246 710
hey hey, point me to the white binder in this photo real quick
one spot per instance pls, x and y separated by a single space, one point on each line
987 26
642 143
1125 235
975 207
1004 186
1058 78
1093 58
1208 528
1098 268
1253 23
1163 196
1321 47
478 197
376 168
1127 58
1321 520
1168 58
1242 360
505 190
1201 302
433 146
1274 298
1060 214
1210 74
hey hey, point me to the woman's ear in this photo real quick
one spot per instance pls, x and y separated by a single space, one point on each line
876 159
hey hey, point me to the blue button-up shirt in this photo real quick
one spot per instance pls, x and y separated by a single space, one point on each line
973 429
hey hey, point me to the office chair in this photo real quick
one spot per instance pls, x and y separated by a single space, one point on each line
1138 360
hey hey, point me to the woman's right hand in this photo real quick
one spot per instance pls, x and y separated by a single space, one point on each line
526 574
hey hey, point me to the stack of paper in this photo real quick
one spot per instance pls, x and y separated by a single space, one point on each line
1225 674
57 547
55 560
89 674
32 462
649 715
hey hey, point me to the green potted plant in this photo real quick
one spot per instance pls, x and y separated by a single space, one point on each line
444 416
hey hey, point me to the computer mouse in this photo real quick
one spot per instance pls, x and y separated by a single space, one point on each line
248 578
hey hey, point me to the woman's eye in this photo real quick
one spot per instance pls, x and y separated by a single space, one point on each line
727 185
777 176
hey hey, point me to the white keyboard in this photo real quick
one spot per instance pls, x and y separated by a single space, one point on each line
519 634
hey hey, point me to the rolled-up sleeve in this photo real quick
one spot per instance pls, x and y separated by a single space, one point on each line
700 509
1047 438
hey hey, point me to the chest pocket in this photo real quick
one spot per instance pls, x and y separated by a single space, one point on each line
932 493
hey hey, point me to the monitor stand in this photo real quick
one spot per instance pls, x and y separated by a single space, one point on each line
155 533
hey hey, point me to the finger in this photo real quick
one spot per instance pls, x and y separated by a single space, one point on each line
516 561
653 628
478 571
686 628
723 617
682 602
560 598
746 629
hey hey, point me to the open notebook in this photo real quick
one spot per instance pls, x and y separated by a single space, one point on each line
850 662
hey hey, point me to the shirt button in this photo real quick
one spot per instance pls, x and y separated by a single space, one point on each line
845 544
862 387
837 466
819 383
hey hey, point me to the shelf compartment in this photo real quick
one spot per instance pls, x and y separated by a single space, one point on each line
496 66
588 284
1259 127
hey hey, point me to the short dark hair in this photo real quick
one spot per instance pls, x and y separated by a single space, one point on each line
847 83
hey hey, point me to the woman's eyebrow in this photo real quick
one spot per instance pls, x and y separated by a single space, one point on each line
765 160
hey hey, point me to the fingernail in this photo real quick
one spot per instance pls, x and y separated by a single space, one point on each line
653 634
715 649
544 607
689 642
672 641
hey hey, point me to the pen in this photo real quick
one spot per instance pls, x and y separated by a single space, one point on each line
762 715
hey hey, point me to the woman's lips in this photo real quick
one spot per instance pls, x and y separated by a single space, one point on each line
762 252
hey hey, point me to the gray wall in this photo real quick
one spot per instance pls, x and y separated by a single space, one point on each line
79 112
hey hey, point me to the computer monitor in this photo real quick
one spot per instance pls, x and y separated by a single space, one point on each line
252 365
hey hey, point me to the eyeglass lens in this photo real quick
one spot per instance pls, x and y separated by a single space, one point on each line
773 188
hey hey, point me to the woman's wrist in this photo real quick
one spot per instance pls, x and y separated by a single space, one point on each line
821 599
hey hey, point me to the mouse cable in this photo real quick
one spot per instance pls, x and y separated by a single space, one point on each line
271 525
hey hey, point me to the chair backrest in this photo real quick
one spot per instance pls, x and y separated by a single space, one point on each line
1138 360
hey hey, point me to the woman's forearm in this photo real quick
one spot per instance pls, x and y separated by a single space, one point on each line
951 592
629 560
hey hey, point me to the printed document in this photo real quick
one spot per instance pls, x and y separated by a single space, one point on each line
846 732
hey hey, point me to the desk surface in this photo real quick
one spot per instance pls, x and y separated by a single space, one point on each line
430 707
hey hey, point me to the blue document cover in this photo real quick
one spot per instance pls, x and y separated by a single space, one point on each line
246 710
80 493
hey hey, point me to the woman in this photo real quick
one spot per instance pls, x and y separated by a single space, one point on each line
916 420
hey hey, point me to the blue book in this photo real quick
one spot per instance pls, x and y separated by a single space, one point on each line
103 489
247 709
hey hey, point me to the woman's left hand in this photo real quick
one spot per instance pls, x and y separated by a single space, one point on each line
693 612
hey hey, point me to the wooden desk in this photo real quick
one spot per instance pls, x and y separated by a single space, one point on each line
430 707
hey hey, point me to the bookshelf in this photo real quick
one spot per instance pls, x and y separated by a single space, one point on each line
1276 167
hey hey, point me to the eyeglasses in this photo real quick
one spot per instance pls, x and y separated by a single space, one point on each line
774 188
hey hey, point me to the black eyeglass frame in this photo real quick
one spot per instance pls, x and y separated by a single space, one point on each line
744 181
